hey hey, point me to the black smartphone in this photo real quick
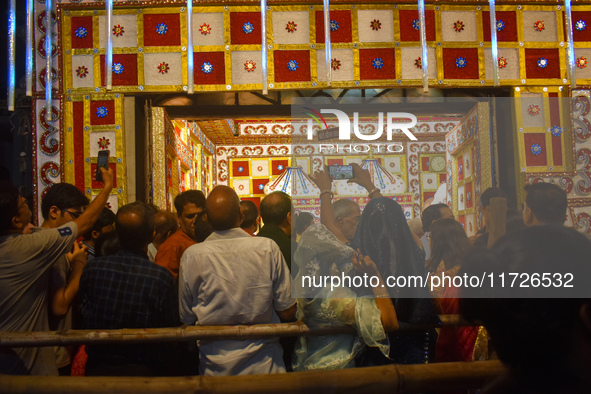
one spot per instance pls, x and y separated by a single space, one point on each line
102 162
340 172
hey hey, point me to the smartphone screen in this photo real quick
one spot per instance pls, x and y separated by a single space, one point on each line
102 161
340 172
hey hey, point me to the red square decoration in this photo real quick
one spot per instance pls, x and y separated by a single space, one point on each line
245 28
340 26
535 149
210 68
97 184
102 112
124 69
428 195
442 178
162 30
506 26
542 63
583 34
258 186
461 168
240 168
425 163
278 167
334 162
292 66
377 64
409 25
460 63
81 32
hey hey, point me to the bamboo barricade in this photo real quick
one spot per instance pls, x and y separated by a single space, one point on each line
187 333
391 379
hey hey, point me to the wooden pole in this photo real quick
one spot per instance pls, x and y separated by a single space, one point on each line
185 333
390 379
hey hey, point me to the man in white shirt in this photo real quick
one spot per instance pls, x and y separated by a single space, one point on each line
233 278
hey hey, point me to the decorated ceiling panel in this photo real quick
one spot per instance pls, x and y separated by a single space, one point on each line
372 45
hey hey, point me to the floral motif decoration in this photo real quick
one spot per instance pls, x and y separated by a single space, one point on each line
418 62
542 62
247 28
539 26
461 62
335 64
103 143
459 26
161 28
500 25
280 167
533 110
102 111
582 62
207 67
205 29
377 63
502 62
375 24
580 25
416 24
334 25
81 72
556 131
292 65
118 30
291 27
118 68
81 32
163 68
536 149
250 65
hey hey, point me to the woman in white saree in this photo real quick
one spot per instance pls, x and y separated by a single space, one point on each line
323 251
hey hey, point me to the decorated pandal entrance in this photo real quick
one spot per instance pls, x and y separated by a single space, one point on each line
151 49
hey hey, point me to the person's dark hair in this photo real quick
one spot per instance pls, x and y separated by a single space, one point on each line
492 192
449 243
547 201
107 244
275 207
303 221
430 214
106 218
135 234
63 196
8 205
514 221
168 224
251 213
518 326
189 197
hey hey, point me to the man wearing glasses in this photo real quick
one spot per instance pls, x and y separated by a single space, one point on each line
25 263
190 208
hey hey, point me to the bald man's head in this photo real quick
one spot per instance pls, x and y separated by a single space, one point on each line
223 208
135 226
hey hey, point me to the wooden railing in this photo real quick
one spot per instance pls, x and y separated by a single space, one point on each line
147 335
423 378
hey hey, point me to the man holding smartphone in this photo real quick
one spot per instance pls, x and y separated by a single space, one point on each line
25 262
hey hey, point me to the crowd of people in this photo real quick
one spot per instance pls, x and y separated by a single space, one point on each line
214 264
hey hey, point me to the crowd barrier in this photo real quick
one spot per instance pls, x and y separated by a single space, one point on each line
147 335
421 378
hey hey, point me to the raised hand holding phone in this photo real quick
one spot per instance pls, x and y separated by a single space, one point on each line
102 161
